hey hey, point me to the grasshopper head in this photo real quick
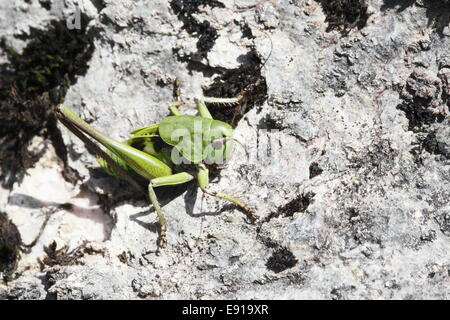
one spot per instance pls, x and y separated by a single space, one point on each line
220 143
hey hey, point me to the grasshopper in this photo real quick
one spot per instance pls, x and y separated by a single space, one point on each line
175 151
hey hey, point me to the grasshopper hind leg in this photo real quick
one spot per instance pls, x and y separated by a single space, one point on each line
238 203
223 101
173 106
203 181
227 102
174 179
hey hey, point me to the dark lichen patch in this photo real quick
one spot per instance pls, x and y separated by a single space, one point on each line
419 115
398 5
299 204
64 257
203 30
282 259
52 58
50 278
247 31
30 85
10 246
421 86
21 119
353 214
126 257
314 170
246 82
443 220
344 15
432 145
423 96
444 76
359 226
61 257
376 160
428 236
47 4
341 292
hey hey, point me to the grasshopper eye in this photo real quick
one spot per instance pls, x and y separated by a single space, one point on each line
217 144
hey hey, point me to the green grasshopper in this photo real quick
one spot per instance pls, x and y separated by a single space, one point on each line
175 151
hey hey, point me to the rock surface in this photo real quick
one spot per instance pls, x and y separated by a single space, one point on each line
347 160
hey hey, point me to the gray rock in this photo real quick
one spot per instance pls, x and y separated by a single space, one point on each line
360 104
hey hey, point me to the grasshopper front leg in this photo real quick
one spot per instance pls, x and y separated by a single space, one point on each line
178 178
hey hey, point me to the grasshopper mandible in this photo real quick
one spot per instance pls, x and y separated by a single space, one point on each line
161 152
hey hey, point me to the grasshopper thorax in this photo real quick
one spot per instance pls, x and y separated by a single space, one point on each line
197 139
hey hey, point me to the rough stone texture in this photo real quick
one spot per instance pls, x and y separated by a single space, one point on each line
347 161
